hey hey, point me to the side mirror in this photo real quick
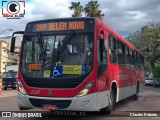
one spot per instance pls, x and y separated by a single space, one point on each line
13 40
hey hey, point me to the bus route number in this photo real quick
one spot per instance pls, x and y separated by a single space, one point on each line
35 92
41 27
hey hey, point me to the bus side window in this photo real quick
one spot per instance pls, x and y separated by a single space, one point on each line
142 60
136 60
120 52
130 58
127 56
139 61
112 44
133 59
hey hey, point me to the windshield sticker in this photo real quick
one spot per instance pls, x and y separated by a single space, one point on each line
72 69
57 71
83 69
68 69
47 73
34 67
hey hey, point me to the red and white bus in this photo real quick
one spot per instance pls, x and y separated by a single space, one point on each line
77 64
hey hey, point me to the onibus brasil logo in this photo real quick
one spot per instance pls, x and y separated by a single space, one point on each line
13 9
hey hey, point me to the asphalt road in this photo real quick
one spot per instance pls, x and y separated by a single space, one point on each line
149 101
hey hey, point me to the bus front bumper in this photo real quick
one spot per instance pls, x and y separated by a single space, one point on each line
85 103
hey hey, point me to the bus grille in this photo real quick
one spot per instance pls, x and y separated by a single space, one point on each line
52 84
60 104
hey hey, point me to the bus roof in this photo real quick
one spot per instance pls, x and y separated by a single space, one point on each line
65 18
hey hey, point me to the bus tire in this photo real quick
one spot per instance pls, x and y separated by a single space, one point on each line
111 107
137 92
23 108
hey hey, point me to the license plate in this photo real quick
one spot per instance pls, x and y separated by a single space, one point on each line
9 85
49 107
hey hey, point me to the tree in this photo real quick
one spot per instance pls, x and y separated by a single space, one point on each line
151 39
148 40
92 10
77 8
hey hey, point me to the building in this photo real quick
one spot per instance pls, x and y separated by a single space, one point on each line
14 58
5 57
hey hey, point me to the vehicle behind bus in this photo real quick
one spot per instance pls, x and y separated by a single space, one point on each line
9 79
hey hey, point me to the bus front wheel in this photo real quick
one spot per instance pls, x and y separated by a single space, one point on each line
23 108
111 106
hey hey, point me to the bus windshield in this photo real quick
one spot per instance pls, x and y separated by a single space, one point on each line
57 56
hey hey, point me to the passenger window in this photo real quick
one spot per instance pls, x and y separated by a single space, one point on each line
142 59
130 57
139 61
112 44
120 53
136 60
102 50
127 56
133 59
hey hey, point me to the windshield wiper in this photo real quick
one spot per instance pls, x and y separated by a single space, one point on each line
65 41
43 49
56 54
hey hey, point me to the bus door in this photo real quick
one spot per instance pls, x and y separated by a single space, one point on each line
102 70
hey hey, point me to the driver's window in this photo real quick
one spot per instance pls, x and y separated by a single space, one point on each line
102 56
102 51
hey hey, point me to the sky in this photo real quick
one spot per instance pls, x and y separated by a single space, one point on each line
124 16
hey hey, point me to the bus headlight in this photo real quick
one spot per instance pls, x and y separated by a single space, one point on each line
20 87
85 90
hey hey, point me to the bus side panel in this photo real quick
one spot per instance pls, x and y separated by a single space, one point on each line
127 82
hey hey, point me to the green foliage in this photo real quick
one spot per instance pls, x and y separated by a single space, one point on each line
148 67
156 71
77 8
91 9
148 41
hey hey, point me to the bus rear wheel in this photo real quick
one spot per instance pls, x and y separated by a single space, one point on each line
135 97
111 107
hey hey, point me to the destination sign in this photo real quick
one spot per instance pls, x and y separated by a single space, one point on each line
34 66
59 26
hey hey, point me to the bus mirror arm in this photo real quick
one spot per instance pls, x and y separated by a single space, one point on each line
13 40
